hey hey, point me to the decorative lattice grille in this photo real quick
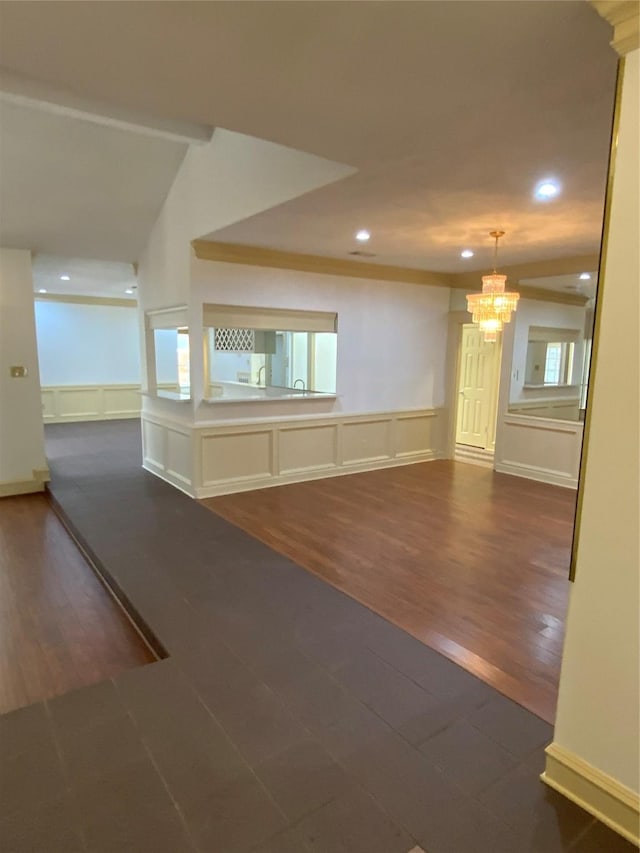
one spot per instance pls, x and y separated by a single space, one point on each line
235 340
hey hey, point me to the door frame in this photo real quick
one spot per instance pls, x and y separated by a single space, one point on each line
458 319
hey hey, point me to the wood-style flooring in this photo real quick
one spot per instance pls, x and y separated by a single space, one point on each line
473 563
59 627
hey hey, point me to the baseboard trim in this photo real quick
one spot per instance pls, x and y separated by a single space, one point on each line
11 488
82 418
79 403
532 472
594 791
179 482
267 482
473 456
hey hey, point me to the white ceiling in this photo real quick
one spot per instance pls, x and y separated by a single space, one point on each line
69 186
86 277
566 283
450 110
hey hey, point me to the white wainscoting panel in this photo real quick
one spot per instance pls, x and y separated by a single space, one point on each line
366 440
541 449
153 443
121 402
234 457
73 403
168 451
178 455
413 433
560 409
307 448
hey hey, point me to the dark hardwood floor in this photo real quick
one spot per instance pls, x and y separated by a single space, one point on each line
473 563
59 627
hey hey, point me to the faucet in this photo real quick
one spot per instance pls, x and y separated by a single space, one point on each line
260 371
299 380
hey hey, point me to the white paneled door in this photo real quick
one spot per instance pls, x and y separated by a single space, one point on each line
477 389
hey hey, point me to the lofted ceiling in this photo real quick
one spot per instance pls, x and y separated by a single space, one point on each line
70 186
451 111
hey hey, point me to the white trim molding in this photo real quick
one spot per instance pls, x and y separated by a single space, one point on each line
229 457
168 451
594 791
540 449
10 488
73 403
624 16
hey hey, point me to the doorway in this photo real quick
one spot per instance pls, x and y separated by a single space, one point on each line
477 388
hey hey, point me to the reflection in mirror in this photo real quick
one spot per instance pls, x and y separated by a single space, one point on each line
255 363
171 348
550 366
549 361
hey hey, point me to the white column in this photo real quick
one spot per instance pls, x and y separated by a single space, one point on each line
594 759
23 465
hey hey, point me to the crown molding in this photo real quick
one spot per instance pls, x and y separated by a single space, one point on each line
536 269
624 17
233 253
541 294
85 300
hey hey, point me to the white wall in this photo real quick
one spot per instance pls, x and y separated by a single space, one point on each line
231 178
391 336
598 708
21 431
87 344
532 312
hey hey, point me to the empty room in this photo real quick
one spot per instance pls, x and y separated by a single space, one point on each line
318 427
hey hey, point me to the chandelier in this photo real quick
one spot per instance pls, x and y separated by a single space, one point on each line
492 308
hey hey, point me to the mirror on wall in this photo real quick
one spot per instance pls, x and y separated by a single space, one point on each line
551 357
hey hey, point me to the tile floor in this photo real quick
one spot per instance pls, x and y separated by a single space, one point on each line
276 724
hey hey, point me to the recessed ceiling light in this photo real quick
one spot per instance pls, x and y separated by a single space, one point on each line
547 189
363 235
129 291
42 290
65 278
584 276
466 253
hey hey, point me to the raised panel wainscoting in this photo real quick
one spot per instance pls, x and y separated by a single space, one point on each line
541 449
561 409
240 456
72 403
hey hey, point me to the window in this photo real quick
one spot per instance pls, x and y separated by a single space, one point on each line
550 357
168 368
281 353
552 364
171 350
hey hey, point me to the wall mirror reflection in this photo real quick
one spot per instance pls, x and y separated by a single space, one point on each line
551 358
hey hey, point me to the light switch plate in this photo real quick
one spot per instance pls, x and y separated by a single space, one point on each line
18 371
